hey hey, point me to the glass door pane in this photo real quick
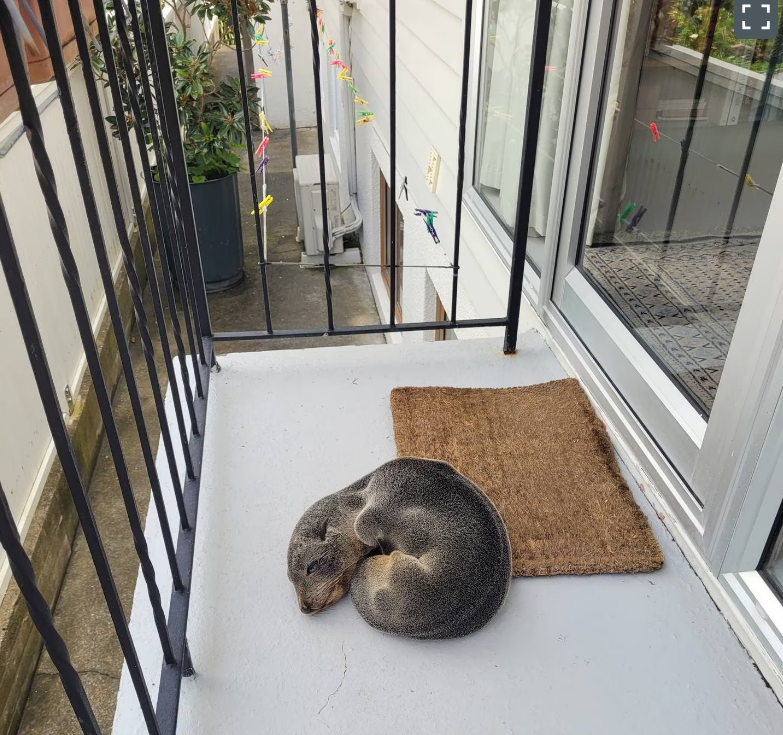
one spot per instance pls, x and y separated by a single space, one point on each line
773 563
691 149
505 68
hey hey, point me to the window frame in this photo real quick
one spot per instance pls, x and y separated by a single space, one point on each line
726 536
384 259
536 286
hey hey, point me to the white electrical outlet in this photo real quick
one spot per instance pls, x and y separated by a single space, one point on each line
433 167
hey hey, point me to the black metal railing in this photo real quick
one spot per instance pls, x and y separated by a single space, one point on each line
510 322
144 79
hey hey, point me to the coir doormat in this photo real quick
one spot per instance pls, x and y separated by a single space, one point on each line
544 459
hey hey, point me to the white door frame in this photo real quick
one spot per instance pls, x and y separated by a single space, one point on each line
729 460
475 207
688 452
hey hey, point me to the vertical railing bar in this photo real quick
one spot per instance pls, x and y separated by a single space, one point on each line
41 615
463 116
685 146
251 165
179 245
535 94
171 191
289 80
46 390
126 54
170 686
122 131
167 104
774 57
391 216
99 243
127 251
321 161
172 248
59 228
157 221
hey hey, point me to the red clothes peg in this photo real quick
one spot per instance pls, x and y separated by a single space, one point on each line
656 136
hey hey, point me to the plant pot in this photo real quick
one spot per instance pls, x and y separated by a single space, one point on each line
217 213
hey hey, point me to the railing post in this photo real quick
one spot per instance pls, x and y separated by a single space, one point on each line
391 215
463 121
252 169
535 93
321 162
168 102
289 80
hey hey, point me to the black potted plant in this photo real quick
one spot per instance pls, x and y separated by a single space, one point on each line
213 126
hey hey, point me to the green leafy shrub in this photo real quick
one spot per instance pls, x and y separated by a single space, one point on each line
211 113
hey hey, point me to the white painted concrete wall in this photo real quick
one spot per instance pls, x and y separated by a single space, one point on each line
301 62
26 450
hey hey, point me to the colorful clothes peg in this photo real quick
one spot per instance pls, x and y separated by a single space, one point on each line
636 219
265 126
750 183
262 146
429 220
360 101
343 76
364 116
262 74
262 206
626 210
261 165
656 136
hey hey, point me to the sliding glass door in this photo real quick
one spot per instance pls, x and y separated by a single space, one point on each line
674 193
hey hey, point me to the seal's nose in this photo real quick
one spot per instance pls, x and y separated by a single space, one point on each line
305 608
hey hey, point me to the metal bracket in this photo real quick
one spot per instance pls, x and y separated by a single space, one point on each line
69 399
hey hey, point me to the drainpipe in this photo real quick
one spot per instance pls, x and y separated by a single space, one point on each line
345 34
347 8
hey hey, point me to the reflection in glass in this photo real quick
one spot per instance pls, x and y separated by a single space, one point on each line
691 149
508 38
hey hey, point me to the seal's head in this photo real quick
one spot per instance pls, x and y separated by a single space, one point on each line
322 556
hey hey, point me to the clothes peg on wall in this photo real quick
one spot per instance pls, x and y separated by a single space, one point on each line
429 220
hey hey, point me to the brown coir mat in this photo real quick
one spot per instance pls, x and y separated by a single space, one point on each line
544 459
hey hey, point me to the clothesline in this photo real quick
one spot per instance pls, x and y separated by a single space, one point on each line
701 155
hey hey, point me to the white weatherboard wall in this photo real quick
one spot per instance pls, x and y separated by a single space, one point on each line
26 450
429 69
301 62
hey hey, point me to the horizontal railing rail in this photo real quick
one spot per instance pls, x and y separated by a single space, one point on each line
132 43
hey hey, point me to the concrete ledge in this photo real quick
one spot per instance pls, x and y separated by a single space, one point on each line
51 534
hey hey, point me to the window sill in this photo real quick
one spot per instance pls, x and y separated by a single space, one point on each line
12 129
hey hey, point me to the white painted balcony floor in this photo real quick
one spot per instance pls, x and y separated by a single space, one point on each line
609 654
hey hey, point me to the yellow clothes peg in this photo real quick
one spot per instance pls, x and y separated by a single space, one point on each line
265 126
264 204
360 101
